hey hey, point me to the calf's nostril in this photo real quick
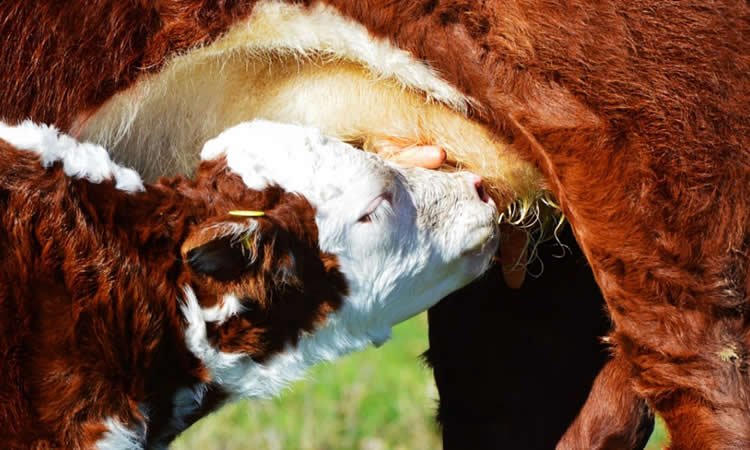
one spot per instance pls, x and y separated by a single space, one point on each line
481 192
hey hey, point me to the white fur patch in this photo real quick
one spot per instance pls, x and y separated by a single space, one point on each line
299 159
120 437
79 160
228 306
281 27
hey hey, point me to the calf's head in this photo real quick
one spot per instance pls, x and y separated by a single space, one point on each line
342 247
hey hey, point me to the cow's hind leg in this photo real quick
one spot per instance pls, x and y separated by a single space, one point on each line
614 416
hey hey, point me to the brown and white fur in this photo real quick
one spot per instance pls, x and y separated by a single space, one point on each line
635 113
130 310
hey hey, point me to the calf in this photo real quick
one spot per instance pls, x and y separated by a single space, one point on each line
129 310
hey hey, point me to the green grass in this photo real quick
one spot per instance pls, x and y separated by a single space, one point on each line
659 438
374 400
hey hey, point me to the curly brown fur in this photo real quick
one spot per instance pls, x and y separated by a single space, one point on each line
92 281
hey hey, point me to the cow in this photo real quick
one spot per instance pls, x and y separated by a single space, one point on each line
631 115
130 310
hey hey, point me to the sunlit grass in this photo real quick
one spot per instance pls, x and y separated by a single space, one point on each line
659 438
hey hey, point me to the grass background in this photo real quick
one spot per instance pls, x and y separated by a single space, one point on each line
377 399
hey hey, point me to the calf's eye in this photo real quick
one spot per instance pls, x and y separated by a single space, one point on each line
373 206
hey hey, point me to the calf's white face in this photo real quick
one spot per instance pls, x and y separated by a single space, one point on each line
404 237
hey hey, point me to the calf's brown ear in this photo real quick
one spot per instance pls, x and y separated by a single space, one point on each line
226 250
223 259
